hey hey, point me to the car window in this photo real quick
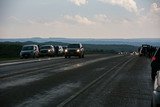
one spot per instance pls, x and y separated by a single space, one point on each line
27 48
45 47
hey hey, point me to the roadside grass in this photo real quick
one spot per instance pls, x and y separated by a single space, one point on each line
6 59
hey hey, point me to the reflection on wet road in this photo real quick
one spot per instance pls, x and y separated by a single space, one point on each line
50 82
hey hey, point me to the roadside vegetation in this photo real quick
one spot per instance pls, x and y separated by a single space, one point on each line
11 50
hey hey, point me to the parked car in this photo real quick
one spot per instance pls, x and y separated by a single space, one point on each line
58 50
29 51
64 48
156 93
144 50
74 50
47 50
155 64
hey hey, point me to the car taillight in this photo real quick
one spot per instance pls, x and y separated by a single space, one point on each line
153 58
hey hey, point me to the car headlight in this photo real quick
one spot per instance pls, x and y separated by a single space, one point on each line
49 50
78 50
65 50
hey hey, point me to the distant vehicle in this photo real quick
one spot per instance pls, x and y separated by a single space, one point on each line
59 50
47 50
156 93
64 48
120 53
74 50
29 51
144 50
134 53
155 64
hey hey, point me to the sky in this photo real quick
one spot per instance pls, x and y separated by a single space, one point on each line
106 19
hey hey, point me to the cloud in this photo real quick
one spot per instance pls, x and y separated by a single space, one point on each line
153 16
79 2
102 18
144 25
100 25
13 18
129 5
79 19
155 9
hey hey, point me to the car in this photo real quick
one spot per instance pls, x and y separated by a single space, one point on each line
64 48
74 50
155 102
144 50
29 51
59 50
155 64
47 50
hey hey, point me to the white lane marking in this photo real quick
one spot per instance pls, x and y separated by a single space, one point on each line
42 99
29 61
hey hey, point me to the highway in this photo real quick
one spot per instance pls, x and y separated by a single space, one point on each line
94 81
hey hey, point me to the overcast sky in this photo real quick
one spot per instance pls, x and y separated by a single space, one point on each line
80 18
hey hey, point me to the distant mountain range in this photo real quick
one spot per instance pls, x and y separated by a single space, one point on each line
134 42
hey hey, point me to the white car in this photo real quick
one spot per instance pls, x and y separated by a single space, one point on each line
156 93
29 51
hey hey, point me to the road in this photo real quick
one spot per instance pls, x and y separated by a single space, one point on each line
93 81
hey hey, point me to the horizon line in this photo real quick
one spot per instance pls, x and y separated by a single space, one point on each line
72 38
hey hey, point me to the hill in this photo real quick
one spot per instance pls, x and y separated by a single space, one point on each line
134 42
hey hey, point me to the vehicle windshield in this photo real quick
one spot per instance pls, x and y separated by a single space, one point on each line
27 48
46 47
73 46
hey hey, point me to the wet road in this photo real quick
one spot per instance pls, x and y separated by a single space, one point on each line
93 81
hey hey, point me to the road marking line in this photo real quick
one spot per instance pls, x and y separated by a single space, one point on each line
60 69
62 104
21 62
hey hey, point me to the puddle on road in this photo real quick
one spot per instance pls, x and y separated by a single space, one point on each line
47 97
20 81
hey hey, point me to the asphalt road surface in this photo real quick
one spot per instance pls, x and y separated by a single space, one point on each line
93 81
